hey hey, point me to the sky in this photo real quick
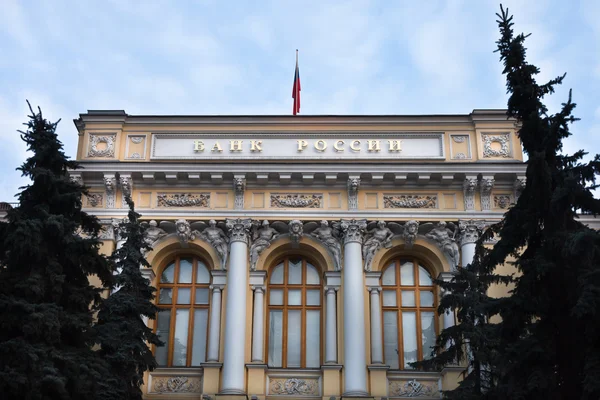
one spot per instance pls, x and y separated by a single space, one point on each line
238 57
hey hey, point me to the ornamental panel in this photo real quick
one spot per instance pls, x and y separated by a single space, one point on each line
102 145
496 145
410 201
183 200
177 384
297 200
401 387
294 386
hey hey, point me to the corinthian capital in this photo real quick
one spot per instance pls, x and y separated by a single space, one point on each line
470 230
353 230
238 229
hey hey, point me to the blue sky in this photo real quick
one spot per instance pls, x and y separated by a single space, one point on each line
237 57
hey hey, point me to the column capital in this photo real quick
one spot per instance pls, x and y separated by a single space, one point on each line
470 230
374 289
238 229
329 289
216 288
258 288
353 230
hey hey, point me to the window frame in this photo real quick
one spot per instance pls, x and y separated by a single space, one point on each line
303 307
416 288
191 307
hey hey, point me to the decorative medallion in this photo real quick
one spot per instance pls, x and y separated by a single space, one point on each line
183 200
296 200
137 139
95 199
502 201
135 155
176 384
294 386
413 388
502 139
409 201
459 138
460 156
102 145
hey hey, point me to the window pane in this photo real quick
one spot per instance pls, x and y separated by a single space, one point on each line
407 276
199 338
275 338
312 275
165 296
276 297
389 298
426 298
168 273
294 327
295 271
184 295
202 275
313 339
427 333
182 318
409 337
185 270
294 297
313 297
389 275
408 298
424 277
201 296
390 338
277 275
163 323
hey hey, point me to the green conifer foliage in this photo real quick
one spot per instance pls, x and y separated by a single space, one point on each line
48 249
122 333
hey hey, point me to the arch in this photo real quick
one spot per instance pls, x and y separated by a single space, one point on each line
170 247
422 248
308 247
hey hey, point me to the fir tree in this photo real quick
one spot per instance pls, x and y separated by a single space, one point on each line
122 334
550 329
48 248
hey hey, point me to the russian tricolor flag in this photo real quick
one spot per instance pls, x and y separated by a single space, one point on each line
296 89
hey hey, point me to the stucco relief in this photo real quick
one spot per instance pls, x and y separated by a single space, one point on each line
444 235
110 182
353 185
176 384
239 186
502 201
126 189
102 145
329 235
297 200
95 199
409 201
262 236
183 200
378 236
469 186
412 388
294 386
485 191
502 139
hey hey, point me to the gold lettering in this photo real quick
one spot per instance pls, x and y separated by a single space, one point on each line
235 145
355 145
198 145
217 148
256 145
395 145
320 145
302 145
337 145
374 145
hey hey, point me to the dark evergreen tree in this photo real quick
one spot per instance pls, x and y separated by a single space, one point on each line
121 332
48 249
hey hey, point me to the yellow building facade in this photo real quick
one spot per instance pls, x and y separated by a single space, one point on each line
294 257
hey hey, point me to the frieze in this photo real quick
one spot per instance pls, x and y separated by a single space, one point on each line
409 201
176 384
502 201
502 139
297 200
413 389
183 200
109 145
294 386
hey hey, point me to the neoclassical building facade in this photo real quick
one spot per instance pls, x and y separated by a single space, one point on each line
295 257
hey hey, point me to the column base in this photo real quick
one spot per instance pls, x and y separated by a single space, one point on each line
231 396
356 394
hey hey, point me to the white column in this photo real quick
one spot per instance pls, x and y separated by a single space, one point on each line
376 336
235 308
258 324
215 324
355 358
330 326
469 233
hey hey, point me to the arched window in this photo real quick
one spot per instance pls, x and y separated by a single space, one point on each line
409 312
295 311
182 323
